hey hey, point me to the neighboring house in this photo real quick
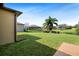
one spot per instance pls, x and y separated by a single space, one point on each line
26 26
8 24
19 27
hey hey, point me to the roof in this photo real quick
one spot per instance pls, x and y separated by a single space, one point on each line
12 10
20 23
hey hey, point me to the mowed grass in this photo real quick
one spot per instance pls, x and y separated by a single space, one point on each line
38 43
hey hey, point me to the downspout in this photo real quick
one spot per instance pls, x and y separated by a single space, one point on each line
15 27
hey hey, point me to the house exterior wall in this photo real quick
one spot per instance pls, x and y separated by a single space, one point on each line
19 27
6 27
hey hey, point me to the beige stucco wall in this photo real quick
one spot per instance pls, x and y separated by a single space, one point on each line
19 27
6 27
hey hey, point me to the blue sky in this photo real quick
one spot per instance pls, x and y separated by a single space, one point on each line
36 13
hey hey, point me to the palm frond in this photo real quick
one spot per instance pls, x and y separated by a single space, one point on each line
56 24
55 19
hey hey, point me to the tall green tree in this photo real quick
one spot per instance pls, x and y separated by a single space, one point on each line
49 23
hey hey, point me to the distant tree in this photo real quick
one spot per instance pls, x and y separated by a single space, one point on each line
69 27
62 26
77 28
77 25
35 28
48 25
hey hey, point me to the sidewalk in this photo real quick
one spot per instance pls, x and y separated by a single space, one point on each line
67 49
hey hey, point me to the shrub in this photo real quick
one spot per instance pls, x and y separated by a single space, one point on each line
62 26
35 28
56 32
69 27
25 30
46 31
77 30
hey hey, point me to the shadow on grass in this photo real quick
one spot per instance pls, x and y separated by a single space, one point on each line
71 33
28 46
26 37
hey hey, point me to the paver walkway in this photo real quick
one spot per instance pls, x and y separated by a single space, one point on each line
67 49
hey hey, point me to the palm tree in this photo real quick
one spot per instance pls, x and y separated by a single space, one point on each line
49 23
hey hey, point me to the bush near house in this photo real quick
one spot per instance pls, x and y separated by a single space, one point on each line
25 30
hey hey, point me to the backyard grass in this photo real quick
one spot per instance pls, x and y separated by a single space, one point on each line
38 43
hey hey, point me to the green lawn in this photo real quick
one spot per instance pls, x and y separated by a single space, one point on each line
38 43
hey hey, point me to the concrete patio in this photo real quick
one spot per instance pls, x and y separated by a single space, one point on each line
67 49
